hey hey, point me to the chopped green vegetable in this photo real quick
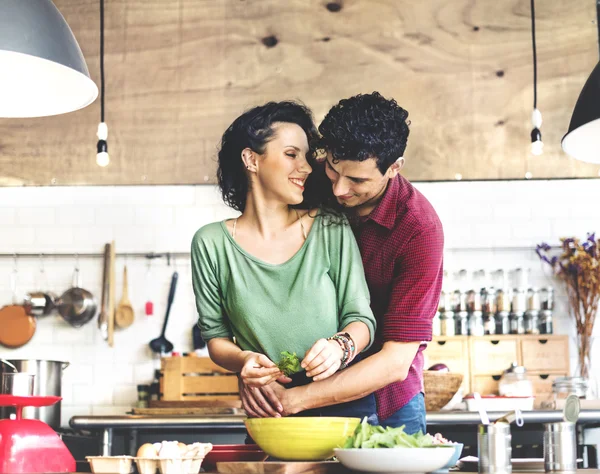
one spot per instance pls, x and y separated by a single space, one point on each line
289 363
369 436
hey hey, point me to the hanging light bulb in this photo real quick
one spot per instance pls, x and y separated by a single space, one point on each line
102 158
537 146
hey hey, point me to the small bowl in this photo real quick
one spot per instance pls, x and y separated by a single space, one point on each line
110 464
458 447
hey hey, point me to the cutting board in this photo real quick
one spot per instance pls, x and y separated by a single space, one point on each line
190 411
280 467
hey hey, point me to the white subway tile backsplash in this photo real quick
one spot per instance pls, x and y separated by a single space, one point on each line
17 239
484 223
36 216
125 395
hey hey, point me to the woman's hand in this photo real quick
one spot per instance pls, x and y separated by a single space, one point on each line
323 359
259 370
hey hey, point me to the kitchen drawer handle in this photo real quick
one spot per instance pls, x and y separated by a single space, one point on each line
544 376
495 342
496 377
542 341
441 343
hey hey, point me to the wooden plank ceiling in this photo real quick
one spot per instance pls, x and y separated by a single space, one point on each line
179 71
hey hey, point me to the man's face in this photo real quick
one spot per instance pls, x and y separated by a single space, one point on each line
358 184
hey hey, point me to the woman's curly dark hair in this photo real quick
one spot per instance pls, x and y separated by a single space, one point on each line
365 126
254 129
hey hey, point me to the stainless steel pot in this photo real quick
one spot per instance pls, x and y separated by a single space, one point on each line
48 379
76 305
38 303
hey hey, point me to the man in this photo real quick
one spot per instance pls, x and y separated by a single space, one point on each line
401 241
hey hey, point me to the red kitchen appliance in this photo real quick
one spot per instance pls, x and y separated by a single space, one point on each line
31 446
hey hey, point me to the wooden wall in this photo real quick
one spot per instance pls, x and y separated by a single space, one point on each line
179 71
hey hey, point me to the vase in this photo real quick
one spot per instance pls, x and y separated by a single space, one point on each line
584 363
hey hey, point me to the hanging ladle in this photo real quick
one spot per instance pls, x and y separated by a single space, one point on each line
161 345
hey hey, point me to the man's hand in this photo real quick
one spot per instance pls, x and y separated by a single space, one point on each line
259 370
262 402
323 359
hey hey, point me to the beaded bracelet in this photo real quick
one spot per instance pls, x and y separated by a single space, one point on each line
348 348
345 351
350 344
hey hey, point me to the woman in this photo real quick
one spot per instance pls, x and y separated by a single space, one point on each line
283 276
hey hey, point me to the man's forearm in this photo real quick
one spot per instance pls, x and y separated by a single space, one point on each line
389 365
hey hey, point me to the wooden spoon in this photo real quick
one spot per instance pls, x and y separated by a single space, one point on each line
124 316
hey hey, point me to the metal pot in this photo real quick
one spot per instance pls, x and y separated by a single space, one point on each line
38 303
48 378
77 306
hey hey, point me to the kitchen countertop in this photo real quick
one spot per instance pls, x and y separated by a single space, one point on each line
586 417
134 423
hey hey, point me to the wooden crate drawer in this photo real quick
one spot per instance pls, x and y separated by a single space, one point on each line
486 384
549 354
451 351
492 356
542 383
196 379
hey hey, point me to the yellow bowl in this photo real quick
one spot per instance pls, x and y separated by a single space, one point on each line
301 438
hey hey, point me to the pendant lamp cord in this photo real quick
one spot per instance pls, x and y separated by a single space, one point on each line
534 52
102 60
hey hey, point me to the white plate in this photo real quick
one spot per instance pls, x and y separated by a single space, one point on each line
391 460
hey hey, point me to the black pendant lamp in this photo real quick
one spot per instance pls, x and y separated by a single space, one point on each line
582 141
42 69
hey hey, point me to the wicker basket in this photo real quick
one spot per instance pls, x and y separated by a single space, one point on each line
440 387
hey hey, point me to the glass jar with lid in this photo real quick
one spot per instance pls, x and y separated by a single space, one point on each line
563 386
514 382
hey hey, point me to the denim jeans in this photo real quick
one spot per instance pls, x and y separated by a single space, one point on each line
411 415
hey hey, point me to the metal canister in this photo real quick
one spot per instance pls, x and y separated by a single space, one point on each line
560 447
448 327
502 322
531 322
503 298
462 323
547 298
517 323
476 327
546 324
519 300
473 301
494 448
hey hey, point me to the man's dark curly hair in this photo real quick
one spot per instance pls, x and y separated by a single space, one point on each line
365 126
254 129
